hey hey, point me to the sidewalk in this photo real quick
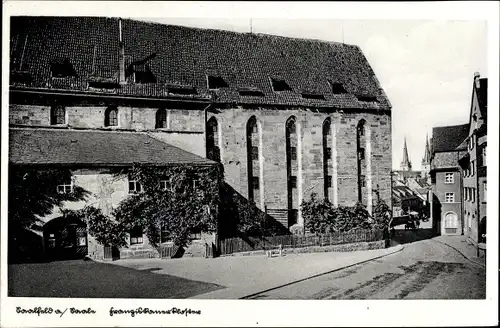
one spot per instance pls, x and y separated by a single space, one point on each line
246 275
460 244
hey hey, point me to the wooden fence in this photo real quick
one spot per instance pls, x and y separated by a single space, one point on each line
235 245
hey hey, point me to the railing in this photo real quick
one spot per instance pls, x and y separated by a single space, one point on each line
168 251
235 245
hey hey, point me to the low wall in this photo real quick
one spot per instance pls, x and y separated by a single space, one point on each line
361 246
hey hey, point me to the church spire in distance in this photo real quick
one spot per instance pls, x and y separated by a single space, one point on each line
405 164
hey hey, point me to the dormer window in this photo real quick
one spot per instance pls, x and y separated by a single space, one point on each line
62 69
313 96
180 90
279 85
142 74
216 82
337 88
367 98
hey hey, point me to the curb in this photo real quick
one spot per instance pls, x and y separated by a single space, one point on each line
399 249
460 252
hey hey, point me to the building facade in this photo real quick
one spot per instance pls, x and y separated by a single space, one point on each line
285 117
473 165
446 205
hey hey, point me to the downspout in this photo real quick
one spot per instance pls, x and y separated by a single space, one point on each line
477 194
206 131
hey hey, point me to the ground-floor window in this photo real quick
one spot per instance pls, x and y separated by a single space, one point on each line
136 236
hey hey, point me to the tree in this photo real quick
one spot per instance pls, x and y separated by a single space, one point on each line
178 200
33 194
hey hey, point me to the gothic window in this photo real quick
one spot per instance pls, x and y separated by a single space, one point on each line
161 118
252 156
57 115
213 150
360 145
327 155
111 116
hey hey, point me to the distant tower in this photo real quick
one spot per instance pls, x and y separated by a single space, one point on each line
426 160
405 164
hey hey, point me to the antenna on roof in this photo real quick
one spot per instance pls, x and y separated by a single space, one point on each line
22 55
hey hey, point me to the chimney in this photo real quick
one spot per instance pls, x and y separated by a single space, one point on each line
121 54
476 79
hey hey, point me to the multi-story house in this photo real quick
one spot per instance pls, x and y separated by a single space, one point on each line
446 205
284 116
473 164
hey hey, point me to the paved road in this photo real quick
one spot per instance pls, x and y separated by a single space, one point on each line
424 269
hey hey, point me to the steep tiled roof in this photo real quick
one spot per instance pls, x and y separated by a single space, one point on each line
448 138
83 147
482 96
184 55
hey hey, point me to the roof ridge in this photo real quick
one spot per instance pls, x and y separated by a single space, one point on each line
260 34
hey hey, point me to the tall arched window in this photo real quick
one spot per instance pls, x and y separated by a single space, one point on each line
360 148
291 169
57 115
327 157
253 158
161 118
213 150
111 116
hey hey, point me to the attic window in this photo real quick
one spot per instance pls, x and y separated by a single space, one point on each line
280 85
313 96
179 90
337 88
251 92
216 82
64 69
104 84
367 98
142 74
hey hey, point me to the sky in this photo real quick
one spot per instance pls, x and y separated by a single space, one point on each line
426 67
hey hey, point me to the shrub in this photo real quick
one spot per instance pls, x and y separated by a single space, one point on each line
321 216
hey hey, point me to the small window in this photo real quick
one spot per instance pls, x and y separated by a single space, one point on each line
195 184
178 90
161 118
216 82
465 193
449 197
313 96
449 178
328 153
134 187
64 69
367 98
65 188
361 153
473 195
214 128
255 183
57 115
255 153
195 234
293 153
484 155
165 185
280 85
136 236
329 181
337 88
254 128
293 182
111 117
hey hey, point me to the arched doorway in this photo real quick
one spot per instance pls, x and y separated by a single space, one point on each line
451 223
65 238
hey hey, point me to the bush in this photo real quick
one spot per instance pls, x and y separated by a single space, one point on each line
321 216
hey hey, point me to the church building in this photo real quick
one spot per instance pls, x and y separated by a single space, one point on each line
285 117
